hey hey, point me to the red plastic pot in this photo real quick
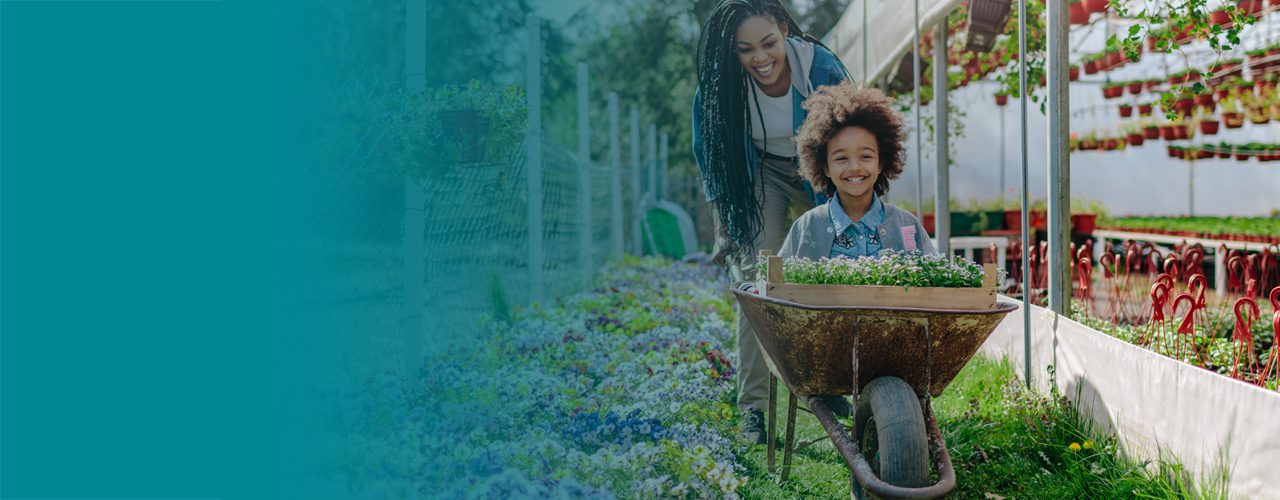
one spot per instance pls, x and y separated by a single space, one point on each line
1249 6
1205 100
1180 132
1083 223
1224 154
1151 133
1135 139
1150 84
1203 155
1073 73
1092 6
1233 120
1174 151
927 223
1220 17
1209 127
1090 67
1242 156
1001 100
1168 133
1076 14
1126 111
1112 92
1222 93
1135 88
1144 109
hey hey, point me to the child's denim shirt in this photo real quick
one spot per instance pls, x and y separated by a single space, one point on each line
856 239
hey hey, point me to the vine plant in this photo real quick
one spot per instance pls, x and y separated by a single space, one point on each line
1180 20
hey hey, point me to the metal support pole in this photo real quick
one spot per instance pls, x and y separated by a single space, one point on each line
411 317
865 39
637 185
942 175
662 167
1191 188
615 178
1026 212
584 179
1000 192
1059 160
533 147
915 75
651 162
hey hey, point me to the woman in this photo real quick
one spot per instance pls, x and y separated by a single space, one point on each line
755 69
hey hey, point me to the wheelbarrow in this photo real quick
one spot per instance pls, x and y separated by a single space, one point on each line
892 360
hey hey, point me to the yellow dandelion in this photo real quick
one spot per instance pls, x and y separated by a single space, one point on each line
1074 447
1088 445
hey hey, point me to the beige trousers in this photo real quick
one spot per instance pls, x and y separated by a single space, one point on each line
783 198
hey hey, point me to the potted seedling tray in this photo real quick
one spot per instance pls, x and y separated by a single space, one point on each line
974 290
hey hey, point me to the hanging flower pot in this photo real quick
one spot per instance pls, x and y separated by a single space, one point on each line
1090 67
1144 109
1241 154
1076 14
1112 91
1233 120
1220 18
1151 132
1126 111
1151 84
1222 93
1168 133
1223 152
1205 100
1135 139
1209 127
1202 154
1181 131
1092 6
1073 73
1135 88
1002 99
1250 6
1174 151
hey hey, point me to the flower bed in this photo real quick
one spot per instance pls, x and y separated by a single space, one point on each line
1258 229
624 390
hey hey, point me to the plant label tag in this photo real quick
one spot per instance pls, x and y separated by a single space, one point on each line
908 237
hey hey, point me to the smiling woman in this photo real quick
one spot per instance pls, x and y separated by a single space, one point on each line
755 69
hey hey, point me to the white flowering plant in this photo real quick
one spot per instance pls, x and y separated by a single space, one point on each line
889 268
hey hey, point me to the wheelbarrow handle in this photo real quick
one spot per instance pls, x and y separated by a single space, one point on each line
862 470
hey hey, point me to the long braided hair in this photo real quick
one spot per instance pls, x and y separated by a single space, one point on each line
723 87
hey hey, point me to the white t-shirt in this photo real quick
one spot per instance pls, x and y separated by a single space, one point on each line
777 122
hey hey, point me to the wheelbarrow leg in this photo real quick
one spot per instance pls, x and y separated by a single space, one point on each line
791 435
771 432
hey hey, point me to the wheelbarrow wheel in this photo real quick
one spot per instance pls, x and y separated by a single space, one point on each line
901 448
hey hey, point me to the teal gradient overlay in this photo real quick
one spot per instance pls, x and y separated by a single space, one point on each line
203 251
149 335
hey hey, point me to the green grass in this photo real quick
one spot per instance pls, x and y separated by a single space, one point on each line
1004 441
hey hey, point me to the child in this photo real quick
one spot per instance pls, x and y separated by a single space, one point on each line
850 147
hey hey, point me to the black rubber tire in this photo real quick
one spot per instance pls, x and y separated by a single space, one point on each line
902 452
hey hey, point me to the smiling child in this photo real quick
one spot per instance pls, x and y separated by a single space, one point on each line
850 147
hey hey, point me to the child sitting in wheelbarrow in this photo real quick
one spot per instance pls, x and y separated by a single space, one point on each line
850 147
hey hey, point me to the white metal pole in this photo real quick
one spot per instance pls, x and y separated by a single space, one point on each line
637 185
1026 212
942 176
412 326
663 169
615 178
865 41
584 179
651 161
1059 160
915 69
533 148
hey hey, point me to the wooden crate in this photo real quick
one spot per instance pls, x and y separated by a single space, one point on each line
879 296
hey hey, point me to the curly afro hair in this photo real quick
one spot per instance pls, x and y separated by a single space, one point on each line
831 109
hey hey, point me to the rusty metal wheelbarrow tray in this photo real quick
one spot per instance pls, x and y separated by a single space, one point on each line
811 347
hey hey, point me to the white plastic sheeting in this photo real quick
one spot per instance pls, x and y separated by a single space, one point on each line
1154 404
888 35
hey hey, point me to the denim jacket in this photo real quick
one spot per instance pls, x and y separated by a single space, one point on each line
812 235
817 67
